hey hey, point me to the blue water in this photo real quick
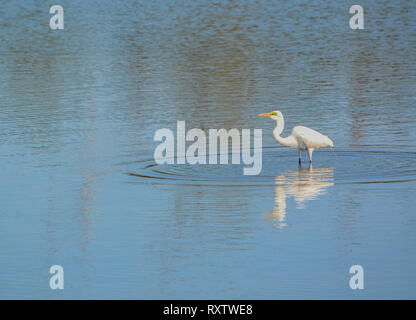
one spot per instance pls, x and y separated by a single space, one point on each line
79 186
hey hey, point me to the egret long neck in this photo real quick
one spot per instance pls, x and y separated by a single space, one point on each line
280 125
289 141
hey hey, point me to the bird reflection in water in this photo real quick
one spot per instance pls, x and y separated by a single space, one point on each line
303 185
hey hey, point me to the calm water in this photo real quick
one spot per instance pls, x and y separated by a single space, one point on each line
79 187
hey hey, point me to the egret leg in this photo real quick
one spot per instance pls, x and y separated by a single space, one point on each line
310 155
300 157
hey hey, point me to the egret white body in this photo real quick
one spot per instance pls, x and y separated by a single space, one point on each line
302 138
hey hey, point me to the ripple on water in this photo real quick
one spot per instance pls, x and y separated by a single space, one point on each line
280 166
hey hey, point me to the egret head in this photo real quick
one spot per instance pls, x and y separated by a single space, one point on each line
275 115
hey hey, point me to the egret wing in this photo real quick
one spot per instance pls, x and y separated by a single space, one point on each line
310 139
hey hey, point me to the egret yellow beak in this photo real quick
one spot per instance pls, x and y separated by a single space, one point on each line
265 115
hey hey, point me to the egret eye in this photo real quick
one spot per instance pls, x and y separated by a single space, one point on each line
274 113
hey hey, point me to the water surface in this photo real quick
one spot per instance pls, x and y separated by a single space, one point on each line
79 186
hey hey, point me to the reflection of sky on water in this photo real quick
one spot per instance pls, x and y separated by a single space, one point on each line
76 104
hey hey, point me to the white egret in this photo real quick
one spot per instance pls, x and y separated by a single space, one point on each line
302 138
